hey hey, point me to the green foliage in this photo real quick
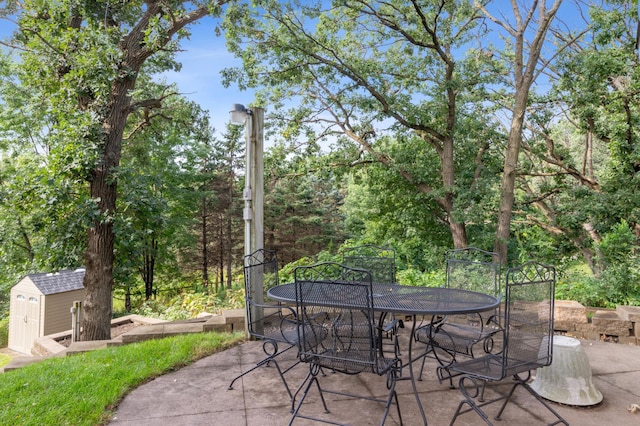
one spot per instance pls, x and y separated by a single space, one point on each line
4 332
578 284
303 214
618 245
414 277
7 280
158 206
81 82
81 390
388 89
619 284
286 273
376 97
188 304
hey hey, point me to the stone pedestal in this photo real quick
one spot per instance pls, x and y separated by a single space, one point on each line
568 379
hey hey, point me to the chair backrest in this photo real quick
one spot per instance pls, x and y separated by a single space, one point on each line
380 261
528 317
335 308
260 274
473 269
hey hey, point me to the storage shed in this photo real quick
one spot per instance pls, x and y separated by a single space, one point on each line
41 305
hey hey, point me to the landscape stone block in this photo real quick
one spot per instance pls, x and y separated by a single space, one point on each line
234 318
630 313
217 323
564 326
570 311
609 323
44 346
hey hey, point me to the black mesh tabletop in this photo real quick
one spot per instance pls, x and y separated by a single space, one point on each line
402 299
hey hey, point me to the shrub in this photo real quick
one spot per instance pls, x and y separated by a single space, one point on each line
4 332
418 278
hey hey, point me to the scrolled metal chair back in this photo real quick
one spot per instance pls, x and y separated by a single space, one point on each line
380 261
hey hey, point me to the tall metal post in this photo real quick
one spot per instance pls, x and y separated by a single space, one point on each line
253 195
247 194
257 178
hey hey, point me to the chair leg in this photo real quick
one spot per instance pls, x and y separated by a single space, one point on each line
310 379
477 392
393 396
440 372
300 387
525 385
547 406
305 387
271 349
424 359
472 406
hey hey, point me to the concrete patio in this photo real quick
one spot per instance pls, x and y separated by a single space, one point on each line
198 394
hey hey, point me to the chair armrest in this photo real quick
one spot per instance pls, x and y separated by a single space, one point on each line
392 325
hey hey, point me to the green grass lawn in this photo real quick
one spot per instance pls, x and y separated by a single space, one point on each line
4 360
84 389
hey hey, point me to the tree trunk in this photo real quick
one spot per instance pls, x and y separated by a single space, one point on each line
148 267
127 300
98 278
221 250
507 192
99 257
229 251
458 229
205 243
524 74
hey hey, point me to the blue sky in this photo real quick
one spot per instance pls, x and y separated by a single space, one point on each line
203 57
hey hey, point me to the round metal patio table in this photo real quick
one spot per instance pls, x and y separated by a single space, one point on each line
405 300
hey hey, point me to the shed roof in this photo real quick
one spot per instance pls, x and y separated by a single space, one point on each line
58 282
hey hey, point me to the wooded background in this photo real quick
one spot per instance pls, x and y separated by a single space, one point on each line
418 125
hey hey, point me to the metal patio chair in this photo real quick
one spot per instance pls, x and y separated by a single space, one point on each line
273 323
459 335
381 262
335 304
524 344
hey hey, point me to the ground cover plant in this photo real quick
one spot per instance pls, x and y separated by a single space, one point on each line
84 389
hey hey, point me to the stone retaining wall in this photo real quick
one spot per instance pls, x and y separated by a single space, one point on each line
620 325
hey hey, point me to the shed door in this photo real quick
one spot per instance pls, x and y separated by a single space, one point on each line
26 321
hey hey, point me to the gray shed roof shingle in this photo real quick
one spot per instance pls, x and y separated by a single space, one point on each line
58 282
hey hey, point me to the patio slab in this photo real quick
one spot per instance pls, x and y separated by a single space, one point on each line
198 394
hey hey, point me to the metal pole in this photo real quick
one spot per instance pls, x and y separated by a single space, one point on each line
257 177
257 195
247 214
76 318
254 200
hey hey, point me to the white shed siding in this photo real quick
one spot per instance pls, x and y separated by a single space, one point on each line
24 317
27 285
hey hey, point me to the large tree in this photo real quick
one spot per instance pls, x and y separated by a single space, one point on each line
581 166
81 60
361 70
527 65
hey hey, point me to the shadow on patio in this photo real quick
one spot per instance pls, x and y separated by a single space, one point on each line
198 394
